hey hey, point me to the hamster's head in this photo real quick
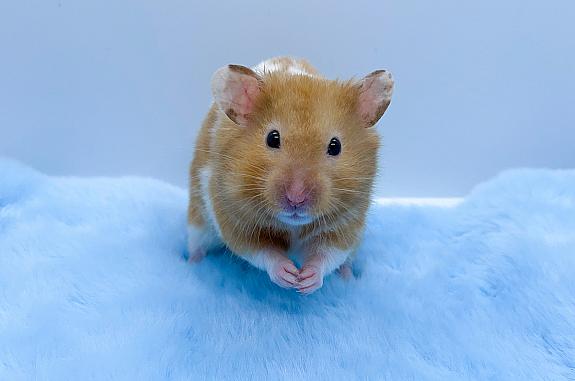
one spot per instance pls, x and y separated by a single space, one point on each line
298 149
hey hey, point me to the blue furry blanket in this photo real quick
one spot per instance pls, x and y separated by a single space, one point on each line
93 285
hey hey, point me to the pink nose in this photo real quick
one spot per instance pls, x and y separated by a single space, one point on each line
296 198
296 194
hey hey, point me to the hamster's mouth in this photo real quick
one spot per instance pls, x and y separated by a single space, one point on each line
294 218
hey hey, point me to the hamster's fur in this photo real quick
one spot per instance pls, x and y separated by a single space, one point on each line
284 166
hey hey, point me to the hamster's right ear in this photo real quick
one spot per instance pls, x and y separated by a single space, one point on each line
235 89
374 96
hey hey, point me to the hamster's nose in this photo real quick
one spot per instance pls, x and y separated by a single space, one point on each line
296 195
296 199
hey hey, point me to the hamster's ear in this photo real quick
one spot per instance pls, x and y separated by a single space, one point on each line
235 89
374 96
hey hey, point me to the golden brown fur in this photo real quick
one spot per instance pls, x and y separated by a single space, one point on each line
248 177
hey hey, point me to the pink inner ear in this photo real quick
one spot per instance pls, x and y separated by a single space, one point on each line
241 93
368 101
374 97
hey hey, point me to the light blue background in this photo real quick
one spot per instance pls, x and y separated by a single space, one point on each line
106 87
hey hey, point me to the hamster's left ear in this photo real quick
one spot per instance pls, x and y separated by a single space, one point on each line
235 89
374 96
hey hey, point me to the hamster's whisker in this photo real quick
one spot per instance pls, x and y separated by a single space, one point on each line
257 223
211 152
249 202
252 188
232 213
252 176
352 191
353 178
346 214
240 227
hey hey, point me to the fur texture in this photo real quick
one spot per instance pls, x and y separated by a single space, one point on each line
93 286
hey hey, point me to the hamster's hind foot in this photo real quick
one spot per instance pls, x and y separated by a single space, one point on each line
345 271
196 255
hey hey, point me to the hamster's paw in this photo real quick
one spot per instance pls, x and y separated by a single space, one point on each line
196 255
196 237
284 273
309 280
345 271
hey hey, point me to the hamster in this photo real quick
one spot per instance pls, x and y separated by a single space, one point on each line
284 168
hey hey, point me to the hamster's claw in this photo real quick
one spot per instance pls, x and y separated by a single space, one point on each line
309 280
284 274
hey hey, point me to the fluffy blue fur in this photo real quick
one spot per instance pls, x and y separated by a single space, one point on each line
93 285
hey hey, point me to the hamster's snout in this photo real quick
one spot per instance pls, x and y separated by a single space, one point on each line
297 196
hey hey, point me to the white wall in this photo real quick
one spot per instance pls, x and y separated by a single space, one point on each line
108 87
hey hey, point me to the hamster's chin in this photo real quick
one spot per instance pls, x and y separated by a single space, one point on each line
294 218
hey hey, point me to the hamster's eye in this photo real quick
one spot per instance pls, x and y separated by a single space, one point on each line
334 147
273 139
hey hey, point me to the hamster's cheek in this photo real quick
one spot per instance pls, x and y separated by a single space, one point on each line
274 185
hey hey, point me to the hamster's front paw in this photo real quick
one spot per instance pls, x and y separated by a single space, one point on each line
310 279
284 273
